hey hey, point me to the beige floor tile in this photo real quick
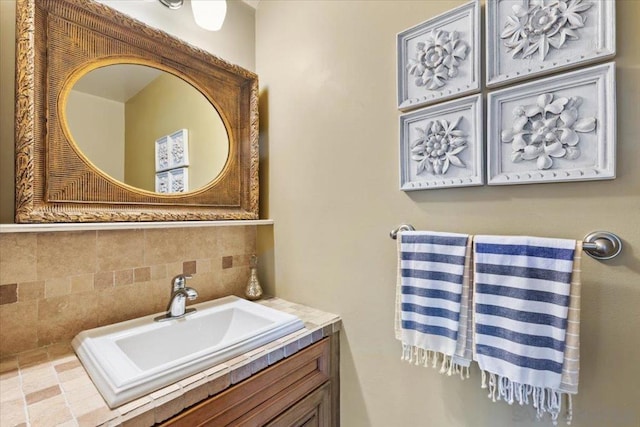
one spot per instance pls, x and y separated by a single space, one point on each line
70 375
49 412
38 379
81 384
10 389
83 399
86 405
72 363
43 394
12 413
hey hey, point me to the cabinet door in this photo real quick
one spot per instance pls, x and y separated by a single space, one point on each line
312 411
263 396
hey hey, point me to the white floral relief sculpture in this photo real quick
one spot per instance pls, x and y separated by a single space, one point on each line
541 27
177 150
177 184
437 59
547 130
163 154
438 147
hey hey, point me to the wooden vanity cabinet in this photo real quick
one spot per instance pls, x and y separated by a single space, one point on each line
299 391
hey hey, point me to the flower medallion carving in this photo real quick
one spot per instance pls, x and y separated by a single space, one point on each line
541 27
163 156
547 130
438 147
437 59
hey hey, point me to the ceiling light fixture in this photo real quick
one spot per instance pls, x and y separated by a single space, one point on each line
172 4
208 14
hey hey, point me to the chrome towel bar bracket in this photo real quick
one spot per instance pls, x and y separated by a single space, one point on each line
602 245
404 227
597 244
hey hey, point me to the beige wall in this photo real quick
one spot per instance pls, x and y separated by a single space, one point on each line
7 77
234 42
102 140
164 106
329 135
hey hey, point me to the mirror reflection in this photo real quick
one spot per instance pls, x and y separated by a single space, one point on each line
147 128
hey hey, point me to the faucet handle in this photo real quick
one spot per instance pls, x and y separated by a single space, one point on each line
180 281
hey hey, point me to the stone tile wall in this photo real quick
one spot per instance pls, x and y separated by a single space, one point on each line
56 284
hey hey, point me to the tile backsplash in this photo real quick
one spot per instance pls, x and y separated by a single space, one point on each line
56 284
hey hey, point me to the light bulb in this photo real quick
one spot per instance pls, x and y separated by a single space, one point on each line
209 14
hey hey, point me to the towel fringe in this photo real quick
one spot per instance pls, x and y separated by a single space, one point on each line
544 400
420 356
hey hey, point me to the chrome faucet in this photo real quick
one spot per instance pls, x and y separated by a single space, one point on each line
180 293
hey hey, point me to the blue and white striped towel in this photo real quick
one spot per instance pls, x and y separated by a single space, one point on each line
433 285
521 298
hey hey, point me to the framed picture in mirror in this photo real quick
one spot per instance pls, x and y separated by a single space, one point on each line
172 151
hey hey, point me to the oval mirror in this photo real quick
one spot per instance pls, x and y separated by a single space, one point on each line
147 128
64 171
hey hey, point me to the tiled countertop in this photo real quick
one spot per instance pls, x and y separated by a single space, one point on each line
49 386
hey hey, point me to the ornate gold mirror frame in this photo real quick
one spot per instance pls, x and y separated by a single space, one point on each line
56 39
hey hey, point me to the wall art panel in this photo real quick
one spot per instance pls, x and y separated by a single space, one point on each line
528 38
441 145
561 128
440 58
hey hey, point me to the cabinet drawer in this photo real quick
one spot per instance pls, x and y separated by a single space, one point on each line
312 411
262 397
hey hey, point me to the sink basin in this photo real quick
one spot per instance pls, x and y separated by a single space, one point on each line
130 359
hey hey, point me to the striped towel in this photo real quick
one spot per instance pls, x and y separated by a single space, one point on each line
523 290
432 300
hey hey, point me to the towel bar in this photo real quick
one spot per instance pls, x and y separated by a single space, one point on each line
597 244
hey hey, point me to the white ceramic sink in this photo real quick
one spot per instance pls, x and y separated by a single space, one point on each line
130 359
